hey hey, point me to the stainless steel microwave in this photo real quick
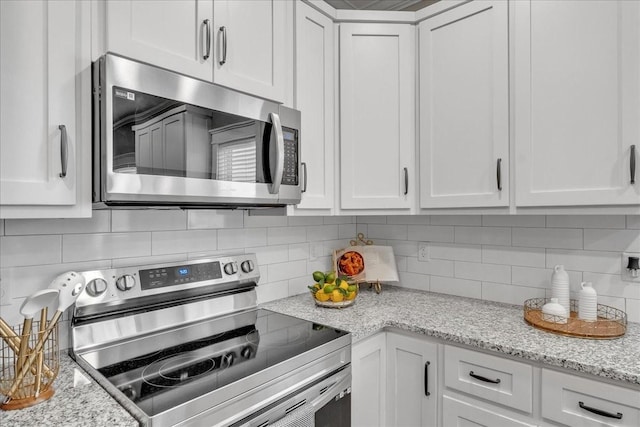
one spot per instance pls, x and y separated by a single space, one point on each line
165 139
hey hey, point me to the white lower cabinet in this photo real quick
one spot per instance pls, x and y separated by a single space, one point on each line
577 401
461 413
368 360
411 381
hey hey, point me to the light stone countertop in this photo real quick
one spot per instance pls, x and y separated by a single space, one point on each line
80 401
482 324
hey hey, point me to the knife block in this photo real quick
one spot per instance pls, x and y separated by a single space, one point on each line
37 384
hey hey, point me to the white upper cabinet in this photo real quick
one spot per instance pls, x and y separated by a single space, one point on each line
577 102
249 46
176 35
315 100
464 107
238 44
377 116
45 138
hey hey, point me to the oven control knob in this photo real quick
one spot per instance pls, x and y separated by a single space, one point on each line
247 352
126 282
96 287
228 359
231 268
247 266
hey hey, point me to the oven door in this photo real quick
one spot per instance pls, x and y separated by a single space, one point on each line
168 139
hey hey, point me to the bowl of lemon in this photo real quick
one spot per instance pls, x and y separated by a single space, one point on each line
332 291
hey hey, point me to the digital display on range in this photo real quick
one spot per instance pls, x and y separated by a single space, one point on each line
179 275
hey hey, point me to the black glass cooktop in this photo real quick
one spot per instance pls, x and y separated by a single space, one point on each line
169 369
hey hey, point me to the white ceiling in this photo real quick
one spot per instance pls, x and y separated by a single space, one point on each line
405 5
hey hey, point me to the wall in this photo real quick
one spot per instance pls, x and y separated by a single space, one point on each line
500 258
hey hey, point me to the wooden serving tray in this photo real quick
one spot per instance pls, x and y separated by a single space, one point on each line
611 323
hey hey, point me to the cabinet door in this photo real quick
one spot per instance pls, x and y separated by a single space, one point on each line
577 95
174 145
464 107
456 413
315 100
170 34
44 58
250 38
377 106
411 381
368 361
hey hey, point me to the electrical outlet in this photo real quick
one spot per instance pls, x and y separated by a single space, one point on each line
626 273
423 252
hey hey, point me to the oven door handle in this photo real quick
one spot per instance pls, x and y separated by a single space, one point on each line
343 382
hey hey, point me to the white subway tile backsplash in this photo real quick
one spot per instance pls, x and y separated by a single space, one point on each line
272 291
414 281
614 302
197 219
322 232
435 267
540 277
347 231
380 231
1 227
271 254
299 285
509 294
593 261
152 220
286 235
483 272
509 255
513 221
633 222
612 240
459 287
168 242
339 220
560 238
404 248
87 247
468 220
483 235
455 252
319 264
296 221
371 220
431 233
287 270
98 223
251 221
19 251
230 238
401 263
298 251
408 220
632 310
585 221
148 260
612 285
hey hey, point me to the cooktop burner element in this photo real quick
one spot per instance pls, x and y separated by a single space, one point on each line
175 350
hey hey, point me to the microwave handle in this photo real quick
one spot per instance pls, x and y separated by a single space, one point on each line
278 169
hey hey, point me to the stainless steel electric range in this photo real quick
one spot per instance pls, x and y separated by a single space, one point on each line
185 344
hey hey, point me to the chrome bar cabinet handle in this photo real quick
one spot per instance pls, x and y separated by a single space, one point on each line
207 29
223 30
64 150
304 173
426 378
499 174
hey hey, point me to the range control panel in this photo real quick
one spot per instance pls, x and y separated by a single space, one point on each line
139 285
176 275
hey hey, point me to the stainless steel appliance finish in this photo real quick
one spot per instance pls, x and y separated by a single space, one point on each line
164 139
185 344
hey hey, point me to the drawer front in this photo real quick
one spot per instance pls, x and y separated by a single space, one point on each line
562 394
493 378
456 413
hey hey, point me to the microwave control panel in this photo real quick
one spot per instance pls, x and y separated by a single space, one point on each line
290 172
